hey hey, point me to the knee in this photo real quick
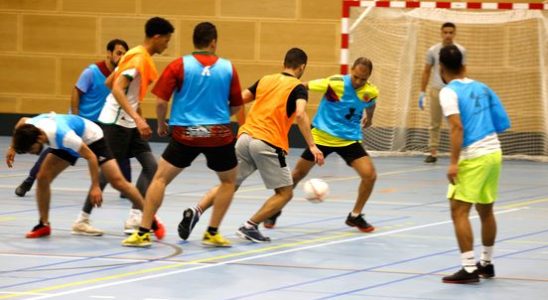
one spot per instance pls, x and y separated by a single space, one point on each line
119 183
285 193
370 177
43 179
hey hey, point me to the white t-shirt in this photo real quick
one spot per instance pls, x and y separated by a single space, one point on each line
112 113
433 59
449 103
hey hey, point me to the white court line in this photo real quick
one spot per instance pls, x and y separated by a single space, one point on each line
148 277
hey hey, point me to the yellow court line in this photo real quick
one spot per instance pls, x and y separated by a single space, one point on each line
524 203
192 262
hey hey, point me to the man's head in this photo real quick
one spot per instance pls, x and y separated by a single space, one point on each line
295 59
205 36
158 32
115 50
450 63
448 32
360 72
28 138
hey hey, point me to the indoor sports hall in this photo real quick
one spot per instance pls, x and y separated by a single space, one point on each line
313 254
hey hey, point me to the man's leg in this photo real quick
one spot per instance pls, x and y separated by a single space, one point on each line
26 185
155 194
460 211
52 166
435 125
114 176
125 167
365 169
488 236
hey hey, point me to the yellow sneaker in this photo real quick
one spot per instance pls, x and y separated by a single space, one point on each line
216 240
136 240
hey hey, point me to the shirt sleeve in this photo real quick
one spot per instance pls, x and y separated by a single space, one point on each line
449 102
235 90
319 85
253 88
85 81
170 80
430 59
298 92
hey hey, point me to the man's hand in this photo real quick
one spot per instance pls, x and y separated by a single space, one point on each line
96 196
163 128
422 100
144 130
10 157
318 155
452 173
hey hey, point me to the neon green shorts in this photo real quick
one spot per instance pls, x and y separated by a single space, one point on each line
477 179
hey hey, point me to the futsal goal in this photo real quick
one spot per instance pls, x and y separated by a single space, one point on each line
507 48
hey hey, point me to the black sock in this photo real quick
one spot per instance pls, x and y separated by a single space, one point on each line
212 230
154 225
143 230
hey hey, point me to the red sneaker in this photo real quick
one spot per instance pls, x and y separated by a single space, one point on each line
159 229
38 231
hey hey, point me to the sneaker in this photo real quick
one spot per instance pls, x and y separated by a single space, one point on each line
462 276
430 159
190 218
359 222
487 271
38 231
23 188
252 234
83 227
216 240
133 222
136 240
160 230
271 222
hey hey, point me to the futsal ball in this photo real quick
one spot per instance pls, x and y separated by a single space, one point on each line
316 190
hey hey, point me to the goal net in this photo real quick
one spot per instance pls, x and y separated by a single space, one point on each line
506 49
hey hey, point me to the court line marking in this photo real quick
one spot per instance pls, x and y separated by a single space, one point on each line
148 277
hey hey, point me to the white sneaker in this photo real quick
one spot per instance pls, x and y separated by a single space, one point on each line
133 222
83 227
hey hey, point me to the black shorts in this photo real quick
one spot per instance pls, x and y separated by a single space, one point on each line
348 153
124 142
219 159
99 148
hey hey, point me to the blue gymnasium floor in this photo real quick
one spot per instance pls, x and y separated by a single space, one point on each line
313 254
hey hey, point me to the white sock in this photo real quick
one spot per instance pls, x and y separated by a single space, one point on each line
468 262
250 224
135 212
83 216
486 255
354 215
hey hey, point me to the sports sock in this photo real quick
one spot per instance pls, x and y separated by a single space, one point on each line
212 230
468 262
486 255
198 210
354 215
143 230
83 216
250 224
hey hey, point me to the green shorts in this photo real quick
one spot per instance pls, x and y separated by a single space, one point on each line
477 179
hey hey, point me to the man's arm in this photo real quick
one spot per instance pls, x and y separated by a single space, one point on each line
424 82
247 96
303 123
367 120
455 136
118 91
161 114
10 153
95 192
75 101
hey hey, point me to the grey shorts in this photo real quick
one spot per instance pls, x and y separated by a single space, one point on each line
254 155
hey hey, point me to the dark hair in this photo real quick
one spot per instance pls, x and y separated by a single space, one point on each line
112 44
204 33
159 26
365 62
24 137
448 24
294 58
451 58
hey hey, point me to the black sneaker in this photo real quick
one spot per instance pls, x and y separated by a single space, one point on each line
23 188
359 222
430 159
190 218
271 222
487 271
462 276
252 234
